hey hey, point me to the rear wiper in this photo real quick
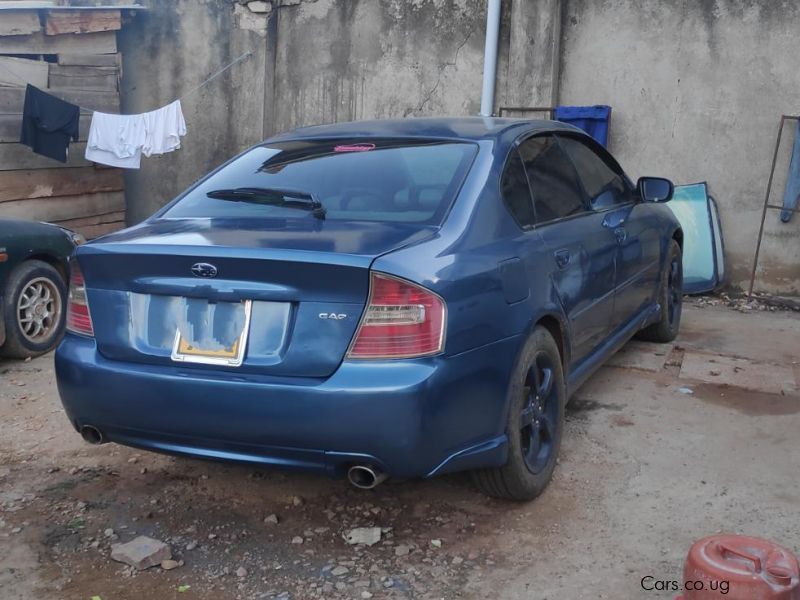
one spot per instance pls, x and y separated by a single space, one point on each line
276 197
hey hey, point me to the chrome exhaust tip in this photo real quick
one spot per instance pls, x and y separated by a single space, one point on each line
365 477
92 435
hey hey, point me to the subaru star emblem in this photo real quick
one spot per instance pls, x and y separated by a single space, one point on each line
204 270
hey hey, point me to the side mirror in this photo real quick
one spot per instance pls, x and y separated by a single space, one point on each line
654 189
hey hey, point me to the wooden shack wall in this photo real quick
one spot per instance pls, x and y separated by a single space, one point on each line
73 55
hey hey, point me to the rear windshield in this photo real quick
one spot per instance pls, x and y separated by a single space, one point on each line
354 180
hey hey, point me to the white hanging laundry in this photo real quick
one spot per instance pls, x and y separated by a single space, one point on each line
164 128
116 140
120 140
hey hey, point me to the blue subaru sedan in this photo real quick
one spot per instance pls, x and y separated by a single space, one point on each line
399 298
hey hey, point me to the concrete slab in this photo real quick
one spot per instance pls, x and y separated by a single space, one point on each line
765 337
642 355
738 372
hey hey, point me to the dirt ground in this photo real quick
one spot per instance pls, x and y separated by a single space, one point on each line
665 445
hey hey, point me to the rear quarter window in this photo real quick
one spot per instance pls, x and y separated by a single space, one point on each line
516 192
390 181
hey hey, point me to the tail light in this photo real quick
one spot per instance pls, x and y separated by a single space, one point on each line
78 318
402 320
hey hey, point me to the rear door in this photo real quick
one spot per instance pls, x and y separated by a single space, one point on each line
581 249
638 248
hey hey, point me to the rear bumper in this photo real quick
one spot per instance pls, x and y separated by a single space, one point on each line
410 418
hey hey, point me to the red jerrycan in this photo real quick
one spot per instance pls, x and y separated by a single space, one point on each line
738 567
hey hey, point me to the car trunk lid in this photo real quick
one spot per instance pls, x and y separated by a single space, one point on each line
302 286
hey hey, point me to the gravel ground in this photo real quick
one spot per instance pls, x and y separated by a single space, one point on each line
652 460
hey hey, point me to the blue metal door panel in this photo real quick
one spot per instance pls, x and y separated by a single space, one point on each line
638 235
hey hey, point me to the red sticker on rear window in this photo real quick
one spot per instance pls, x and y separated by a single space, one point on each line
354 148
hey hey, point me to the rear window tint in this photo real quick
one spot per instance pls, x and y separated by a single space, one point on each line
390 181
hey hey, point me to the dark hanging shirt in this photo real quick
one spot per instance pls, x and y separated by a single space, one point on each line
48 124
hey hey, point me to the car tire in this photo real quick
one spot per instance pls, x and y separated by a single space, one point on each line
34 310
670 300
532 412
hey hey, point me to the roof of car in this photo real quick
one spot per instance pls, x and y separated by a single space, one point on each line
466 128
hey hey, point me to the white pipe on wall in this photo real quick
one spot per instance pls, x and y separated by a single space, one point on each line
490 57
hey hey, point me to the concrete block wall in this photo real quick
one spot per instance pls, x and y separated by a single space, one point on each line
174 46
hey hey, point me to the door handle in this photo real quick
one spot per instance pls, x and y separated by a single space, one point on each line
620 234
562 258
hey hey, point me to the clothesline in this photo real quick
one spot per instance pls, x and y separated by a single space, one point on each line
184 96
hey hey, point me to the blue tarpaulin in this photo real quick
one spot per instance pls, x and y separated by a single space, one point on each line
792 191
592 119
